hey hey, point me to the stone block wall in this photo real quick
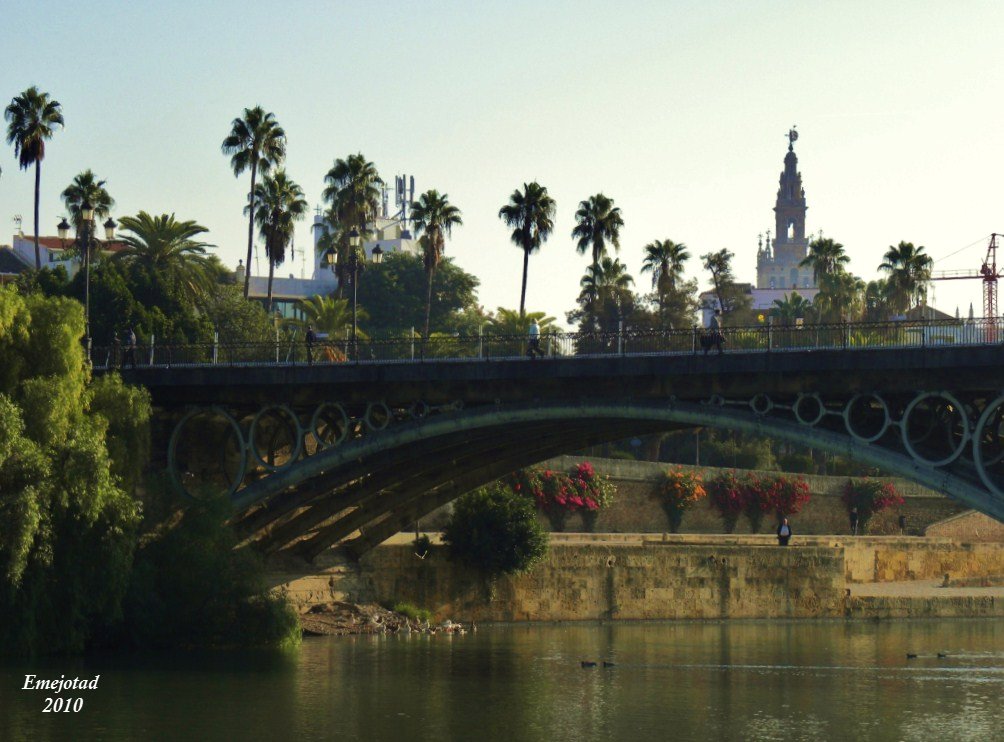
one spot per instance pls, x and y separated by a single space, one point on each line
893 560
969 526
579 582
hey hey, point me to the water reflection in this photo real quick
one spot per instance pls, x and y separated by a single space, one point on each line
759 680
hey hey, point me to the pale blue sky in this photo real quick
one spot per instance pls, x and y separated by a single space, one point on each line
677 110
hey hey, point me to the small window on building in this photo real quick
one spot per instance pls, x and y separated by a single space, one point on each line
791 229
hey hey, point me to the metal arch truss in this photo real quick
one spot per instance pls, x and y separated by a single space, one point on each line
355 480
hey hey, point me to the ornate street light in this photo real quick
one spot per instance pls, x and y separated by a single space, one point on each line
87 227
377 255
64 229
354 267
110 229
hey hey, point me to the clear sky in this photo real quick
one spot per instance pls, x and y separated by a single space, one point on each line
677 110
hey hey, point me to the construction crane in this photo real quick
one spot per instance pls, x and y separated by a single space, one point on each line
988 273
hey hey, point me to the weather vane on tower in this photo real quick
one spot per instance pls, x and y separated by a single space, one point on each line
792 136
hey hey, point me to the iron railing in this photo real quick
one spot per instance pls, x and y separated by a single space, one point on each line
775 338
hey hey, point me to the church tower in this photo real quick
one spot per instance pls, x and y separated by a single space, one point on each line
778 262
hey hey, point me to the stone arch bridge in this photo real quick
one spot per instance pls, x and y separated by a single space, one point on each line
347 454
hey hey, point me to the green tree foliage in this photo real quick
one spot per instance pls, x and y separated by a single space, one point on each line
353 191
280 205
32 118
909 270
165 248
85 186
826 258
792 307
675 299
597 223
255 142
606 302
495 531
191 586
735 303
66 524
236 319
530 214
393 294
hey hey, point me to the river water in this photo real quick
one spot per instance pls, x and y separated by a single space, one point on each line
765 680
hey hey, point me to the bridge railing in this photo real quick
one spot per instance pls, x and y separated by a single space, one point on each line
762 338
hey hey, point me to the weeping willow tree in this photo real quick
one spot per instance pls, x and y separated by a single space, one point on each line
67 520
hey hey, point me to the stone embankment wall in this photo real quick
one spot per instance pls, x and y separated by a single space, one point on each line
683 576
625 581
970 526
634 510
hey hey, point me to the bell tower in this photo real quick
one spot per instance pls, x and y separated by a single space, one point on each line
779 266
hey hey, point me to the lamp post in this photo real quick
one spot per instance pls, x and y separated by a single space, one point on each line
354 267
377 255
87 244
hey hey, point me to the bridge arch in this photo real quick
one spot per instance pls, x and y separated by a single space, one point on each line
363 491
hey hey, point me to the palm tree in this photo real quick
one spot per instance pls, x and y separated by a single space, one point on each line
530 213
510 323
598 221
32 118
280 205
826 257
167 247
609 275
876 301
86 187
353 190
256 141
434 215
794 306
665 259
909 271
327 314
840 296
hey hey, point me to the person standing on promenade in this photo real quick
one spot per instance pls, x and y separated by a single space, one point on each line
130 353
533 349
311 338
854 521
716 332
783 532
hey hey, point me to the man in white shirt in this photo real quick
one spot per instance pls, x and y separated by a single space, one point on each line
533 349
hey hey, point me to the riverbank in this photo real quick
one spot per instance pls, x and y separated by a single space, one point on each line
589 577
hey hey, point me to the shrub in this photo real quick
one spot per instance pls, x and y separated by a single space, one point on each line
677 491
869 496
412 613
757 498
788 495
558 495
495 531
727 495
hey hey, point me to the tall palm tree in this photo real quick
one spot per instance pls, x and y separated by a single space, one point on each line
826 257
256 142
434 215
353 191
909 271
598 222
85 186
169 248
530 213
665 259
32 118
280 205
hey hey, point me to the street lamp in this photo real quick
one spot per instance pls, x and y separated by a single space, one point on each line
87 227
377 255
87 244
354 267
